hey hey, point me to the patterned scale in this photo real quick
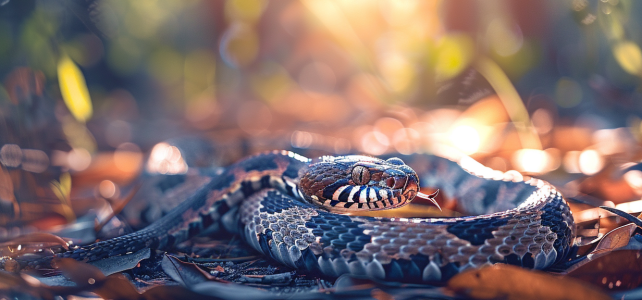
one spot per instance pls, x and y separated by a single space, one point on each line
526 224
535 235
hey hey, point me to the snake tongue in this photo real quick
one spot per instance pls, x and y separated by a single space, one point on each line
430 198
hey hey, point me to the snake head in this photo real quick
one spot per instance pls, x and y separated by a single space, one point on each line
351 183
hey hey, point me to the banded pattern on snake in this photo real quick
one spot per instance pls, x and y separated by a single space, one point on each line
285 206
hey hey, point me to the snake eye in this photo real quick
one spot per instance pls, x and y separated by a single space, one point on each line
360 175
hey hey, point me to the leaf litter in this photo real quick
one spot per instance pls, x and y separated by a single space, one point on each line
226 268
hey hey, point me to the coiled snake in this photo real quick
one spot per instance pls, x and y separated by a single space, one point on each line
287 207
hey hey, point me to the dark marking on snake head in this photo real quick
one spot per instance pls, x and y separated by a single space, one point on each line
330 189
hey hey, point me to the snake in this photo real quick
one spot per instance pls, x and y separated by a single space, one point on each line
302 213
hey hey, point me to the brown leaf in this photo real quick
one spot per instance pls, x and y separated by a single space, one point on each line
116 286
8 280
510 282
617 270
88 277
80 273
185 273
36 238
30 243
616 238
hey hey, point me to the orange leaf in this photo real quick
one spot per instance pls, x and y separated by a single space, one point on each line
617 270
616 238
510 282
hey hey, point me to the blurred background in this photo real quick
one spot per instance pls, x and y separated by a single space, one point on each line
96 92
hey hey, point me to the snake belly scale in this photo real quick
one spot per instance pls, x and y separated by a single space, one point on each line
296 211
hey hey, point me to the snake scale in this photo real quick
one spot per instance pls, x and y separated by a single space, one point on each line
297 211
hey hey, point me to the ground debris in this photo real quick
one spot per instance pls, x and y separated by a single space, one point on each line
277 279
510 282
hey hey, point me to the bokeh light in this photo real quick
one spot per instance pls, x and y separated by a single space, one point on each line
33 160
532 161
465 138
634 179
166 159
78 159
571 162
542 120
374 143
11 155
590 162
107 189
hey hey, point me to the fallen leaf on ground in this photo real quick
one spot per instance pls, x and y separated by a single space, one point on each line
617 270
614 239
79 272
96 269
116 264
510 282
38 238
89 277
116 286
187 274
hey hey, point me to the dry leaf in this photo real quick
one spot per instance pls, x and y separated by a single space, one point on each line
29 243
617 270
116 286
78 272
188 274
97 270
616 238
89 277
37 238
510 282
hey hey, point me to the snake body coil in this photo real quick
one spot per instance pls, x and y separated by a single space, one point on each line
283 205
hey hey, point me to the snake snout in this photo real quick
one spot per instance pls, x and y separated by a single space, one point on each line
395 179
396 182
